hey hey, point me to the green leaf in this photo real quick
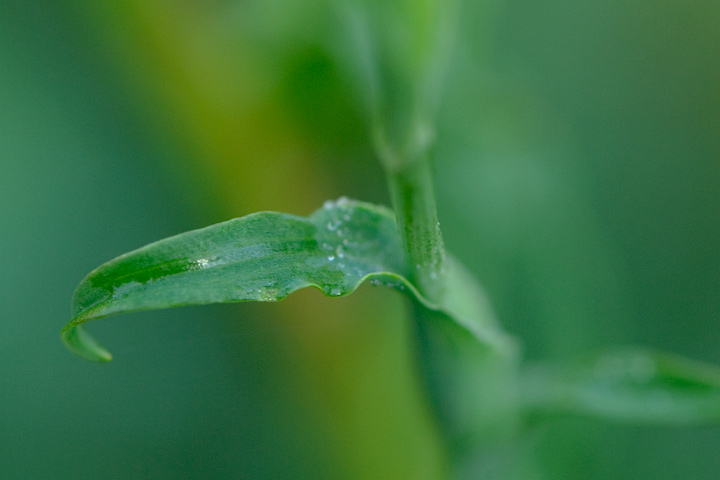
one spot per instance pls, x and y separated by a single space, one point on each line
634 385
261 257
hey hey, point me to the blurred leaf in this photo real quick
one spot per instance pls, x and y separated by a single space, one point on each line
633 385
395 53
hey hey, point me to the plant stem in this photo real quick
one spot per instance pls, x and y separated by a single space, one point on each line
413 197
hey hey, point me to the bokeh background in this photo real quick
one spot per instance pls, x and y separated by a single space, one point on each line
578 176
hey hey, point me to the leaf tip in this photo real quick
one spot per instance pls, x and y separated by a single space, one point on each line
82 344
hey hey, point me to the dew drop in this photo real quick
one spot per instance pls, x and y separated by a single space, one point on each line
333 225
266 295
333 291
201 263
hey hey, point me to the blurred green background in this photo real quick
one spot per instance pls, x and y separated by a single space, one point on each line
578 175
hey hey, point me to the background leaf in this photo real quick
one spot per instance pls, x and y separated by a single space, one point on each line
634 385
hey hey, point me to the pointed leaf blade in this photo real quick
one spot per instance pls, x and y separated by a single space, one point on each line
261 257
265 257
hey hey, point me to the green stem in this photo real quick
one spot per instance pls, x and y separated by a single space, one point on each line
413 197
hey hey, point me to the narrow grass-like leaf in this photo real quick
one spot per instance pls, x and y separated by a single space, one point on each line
261 257
634 385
